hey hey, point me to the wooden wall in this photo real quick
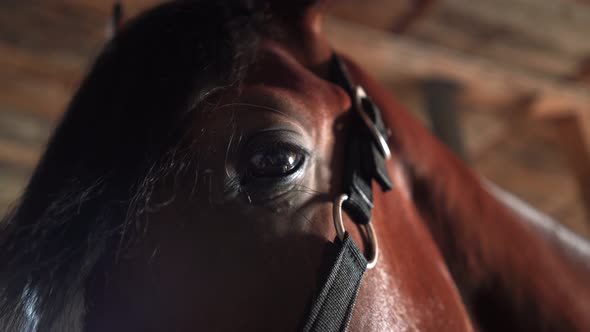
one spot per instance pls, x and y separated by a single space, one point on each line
518 62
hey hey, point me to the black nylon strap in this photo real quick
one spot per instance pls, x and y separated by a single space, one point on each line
332 308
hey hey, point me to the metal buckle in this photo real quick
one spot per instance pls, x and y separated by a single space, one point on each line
359 94
340 231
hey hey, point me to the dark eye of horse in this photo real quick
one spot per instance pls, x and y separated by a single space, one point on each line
275 162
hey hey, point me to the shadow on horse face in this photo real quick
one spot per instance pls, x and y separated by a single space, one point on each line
250 235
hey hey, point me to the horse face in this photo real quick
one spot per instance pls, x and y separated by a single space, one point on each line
249 236
242 244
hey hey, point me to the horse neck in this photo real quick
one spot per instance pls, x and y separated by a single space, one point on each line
494 254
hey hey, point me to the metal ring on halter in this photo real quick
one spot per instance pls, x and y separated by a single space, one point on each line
340 231
359 94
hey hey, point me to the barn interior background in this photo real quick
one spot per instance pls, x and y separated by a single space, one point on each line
505 83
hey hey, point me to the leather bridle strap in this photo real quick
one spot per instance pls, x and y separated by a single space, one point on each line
367 151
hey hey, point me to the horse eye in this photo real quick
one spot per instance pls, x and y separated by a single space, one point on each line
275 162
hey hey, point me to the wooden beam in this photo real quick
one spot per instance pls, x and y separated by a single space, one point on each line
544 35
20 155
380 14
574 135
440 101
63 66
12 181
561 23
33 94
462 32
393 57
417 10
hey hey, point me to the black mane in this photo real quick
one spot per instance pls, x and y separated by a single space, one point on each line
122 133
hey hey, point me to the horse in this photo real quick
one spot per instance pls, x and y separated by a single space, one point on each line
191 185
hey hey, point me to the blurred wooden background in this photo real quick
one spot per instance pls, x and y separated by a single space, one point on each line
506 83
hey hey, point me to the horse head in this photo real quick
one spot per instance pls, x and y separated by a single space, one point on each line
192 181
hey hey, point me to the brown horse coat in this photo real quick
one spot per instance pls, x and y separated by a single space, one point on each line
222 246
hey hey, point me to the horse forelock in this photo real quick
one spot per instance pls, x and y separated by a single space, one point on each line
121 135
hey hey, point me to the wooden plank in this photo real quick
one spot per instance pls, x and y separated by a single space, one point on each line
508 31
24 128
12 181
561 23
497 43
33 94
42 28
440 100
532 167
63 66
395 57
574 136
17 154
381 14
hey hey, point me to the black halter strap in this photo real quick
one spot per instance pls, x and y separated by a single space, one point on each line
365 160
333 306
